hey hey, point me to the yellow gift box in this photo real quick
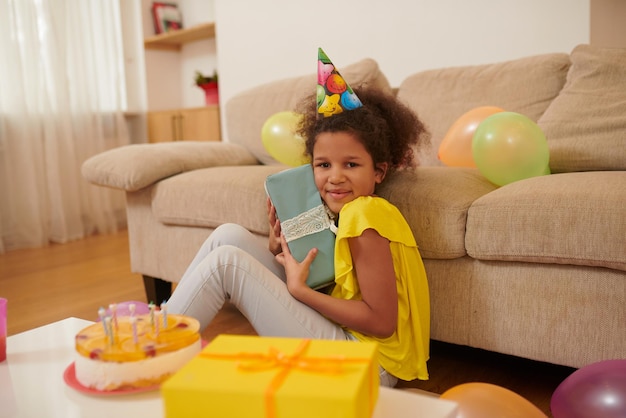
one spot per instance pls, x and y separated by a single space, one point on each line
255 377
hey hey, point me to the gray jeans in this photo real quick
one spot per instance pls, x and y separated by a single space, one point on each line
233 264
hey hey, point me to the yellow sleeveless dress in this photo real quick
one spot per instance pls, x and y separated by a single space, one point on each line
405 353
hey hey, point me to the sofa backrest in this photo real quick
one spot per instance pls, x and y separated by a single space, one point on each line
586 124
246 112
577 99
441 96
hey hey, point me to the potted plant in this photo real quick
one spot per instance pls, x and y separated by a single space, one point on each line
209 85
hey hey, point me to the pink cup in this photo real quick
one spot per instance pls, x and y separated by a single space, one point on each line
3 329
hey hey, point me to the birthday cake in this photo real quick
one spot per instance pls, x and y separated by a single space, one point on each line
135 351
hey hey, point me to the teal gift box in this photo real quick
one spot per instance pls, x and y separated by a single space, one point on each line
305 220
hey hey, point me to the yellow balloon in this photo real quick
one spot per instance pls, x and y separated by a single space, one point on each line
281 140
508 147
455 149
484 400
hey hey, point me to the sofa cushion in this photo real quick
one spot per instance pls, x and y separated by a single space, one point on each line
246 112
586 124
212 196
440 97
435 201
570 218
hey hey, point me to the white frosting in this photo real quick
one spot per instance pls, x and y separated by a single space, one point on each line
108 375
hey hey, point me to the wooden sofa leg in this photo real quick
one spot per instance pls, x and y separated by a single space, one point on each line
157 290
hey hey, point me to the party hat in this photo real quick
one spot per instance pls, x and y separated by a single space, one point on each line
334 94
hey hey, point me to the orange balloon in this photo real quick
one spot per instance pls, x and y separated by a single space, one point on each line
455 149
484 400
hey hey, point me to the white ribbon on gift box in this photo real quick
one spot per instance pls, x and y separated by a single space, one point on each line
310 222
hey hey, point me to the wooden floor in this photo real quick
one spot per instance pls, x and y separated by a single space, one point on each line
49 284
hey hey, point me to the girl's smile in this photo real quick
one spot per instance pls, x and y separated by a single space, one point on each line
344 169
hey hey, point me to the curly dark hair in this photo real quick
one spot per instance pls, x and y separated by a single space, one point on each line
387 128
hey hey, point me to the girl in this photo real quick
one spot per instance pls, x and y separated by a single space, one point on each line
380 292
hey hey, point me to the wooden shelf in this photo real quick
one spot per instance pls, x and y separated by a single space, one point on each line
174 40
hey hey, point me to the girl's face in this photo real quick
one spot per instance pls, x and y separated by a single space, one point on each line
343 169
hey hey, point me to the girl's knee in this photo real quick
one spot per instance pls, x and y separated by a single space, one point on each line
227 234
230 230
229 226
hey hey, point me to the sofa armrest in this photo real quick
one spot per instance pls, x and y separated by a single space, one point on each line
133 167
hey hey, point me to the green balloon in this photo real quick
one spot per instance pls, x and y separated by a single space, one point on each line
508 147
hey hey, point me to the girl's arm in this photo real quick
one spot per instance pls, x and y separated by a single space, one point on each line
377 313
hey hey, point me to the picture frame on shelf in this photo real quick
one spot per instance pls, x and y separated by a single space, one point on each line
166 17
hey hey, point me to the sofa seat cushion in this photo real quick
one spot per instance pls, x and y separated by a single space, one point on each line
569 218
441 96
435 201
247 111
586 124
212 196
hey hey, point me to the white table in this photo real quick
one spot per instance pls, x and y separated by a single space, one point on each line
32 385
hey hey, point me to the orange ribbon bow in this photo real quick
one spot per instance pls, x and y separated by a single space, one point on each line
286 363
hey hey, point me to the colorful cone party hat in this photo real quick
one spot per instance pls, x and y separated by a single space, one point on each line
334 95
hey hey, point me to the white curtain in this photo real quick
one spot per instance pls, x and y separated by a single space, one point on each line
62 93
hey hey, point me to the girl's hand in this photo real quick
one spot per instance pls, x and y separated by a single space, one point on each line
296 272
275 230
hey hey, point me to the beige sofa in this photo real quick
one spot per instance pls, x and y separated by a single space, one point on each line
536 268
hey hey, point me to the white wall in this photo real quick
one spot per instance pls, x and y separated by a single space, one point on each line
260 41
170 74
196 56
